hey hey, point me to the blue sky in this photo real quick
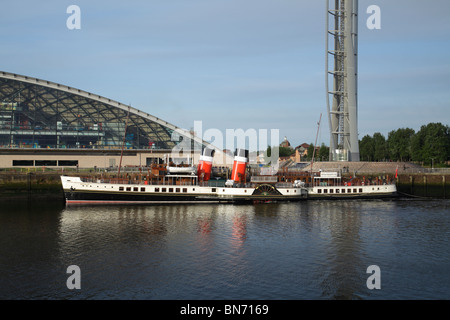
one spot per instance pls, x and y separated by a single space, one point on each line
236 64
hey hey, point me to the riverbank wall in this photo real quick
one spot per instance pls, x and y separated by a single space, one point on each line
18 184
433 185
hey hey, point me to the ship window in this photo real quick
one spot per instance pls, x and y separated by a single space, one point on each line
360 190
193 189
213 190
128 188
343 190
319 190
287 190
142 189
354 190
163 190
120 188
331 190
349 190
156 189
135 188
184 189
244 190
177 190
337 190
325 190
170 189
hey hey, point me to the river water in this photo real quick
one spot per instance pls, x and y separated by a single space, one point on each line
300 251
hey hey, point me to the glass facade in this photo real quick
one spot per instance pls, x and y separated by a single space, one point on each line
40 114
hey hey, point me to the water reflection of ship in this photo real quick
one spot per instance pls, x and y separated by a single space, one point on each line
205 225
344 230
239 229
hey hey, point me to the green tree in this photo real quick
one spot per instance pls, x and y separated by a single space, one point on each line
380 147
324 152
310 152
285 152
269 154
399 144
282 152
269 151
432 141
366 148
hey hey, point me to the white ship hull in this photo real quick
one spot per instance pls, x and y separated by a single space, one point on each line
349 192
77 191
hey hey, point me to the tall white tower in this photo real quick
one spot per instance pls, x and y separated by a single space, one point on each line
342 34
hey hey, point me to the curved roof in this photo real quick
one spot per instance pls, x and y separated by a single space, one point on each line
35 107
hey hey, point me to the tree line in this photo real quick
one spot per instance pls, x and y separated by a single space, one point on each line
430 145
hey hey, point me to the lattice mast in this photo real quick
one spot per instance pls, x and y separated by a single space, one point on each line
342 103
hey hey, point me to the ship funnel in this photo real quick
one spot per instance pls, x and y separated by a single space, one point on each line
204 167
239 165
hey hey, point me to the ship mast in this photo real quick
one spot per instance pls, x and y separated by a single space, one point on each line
314 149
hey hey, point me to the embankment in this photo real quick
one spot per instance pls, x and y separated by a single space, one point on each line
433 185
19 184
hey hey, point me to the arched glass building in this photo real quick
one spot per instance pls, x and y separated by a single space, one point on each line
36 113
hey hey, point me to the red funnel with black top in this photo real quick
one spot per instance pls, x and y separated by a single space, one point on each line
204 167
239 165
